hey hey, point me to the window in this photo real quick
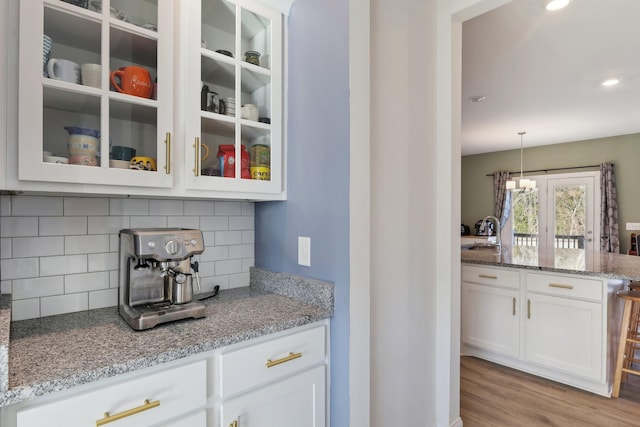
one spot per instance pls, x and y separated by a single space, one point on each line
557 220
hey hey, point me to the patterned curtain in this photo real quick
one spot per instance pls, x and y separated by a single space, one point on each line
609 239
501 196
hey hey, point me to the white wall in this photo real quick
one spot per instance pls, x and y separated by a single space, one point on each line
60 254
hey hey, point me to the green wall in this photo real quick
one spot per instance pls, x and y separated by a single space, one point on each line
623 151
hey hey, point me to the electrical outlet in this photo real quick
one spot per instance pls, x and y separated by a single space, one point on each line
304 251
633 226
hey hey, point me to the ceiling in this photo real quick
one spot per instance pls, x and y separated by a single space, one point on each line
541 73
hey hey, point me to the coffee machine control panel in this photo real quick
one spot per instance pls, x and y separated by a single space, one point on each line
173 244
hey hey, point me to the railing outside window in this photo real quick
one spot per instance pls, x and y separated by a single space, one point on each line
560 241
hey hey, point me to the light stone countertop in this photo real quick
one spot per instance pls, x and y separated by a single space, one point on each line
610 265
59 352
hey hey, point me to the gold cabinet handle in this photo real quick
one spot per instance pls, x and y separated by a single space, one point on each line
234 423
291 356
557 285
196 169
124 414
167 141
528 309
514 306
485 276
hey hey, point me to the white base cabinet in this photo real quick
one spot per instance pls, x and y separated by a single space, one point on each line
559 326
290 390
291 402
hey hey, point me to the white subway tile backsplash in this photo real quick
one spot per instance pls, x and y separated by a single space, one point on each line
25 309
238 280
240 251
103 298
86 244
107 224
148 221
86 282
248 209
166 207
214 223
63 226
198 207
231 266
184 221
19 268
60 254
5 206
241 223
5 248
68 303
5 286
214 253
37 287
12 226
248 236
66 264
128 207
103 262
86 206
228 238
25 247
36 206
228 208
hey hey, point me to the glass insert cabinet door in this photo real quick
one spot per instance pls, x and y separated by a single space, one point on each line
96 91
234 97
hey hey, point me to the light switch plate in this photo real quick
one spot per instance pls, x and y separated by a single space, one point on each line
304 251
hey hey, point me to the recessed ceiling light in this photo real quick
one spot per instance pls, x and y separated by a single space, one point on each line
477 98
556 4
610 82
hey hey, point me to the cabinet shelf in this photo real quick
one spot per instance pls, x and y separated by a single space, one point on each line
70 97
130 43
58 20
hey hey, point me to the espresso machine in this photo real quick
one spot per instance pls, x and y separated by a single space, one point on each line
155 275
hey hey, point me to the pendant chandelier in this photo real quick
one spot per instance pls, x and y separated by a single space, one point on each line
523 183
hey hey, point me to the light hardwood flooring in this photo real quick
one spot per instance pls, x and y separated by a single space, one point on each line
495 396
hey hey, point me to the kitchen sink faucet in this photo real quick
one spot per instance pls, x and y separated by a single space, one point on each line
496 223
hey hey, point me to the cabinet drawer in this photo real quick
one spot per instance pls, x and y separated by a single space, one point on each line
567 286
178 390
257 364
491 276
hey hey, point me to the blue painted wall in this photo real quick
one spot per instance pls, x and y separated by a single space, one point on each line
318 173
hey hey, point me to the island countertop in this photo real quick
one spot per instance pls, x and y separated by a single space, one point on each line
59 352
610 265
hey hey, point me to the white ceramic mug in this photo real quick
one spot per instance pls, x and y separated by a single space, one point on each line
63 69
91 74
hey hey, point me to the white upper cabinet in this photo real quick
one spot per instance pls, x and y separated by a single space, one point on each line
131 74
63 115
233 97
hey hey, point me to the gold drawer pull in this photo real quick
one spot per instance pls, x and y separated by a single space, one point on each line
291 356
234 423
167 141
557 285
485 276
124 414
514 306
528 309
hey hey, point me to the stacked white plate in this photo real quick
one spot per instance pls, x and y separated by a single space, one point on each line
230 106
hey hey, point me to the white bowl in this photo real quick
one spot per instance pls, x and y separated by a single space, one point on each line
56 159
119 164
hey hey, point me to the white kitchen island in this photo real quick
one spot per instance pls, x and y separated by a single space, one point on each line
557 323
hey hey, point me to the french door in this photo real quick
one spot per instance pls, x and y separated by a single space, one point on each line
557 222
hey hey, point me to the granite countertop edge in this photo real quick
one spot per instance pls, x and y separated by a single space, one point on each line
607 265
299 311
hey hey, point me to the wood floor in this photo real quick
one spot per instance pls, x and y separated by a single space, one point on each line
495 396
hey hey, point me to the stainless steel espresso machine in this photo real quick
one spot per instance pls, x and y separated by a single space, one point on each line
156 279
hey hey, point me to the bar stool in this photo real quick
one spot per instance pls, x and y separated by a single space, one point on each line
629 339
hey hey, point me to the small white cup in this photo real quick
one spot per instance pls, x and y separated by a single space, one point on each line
63 69
91 74
250 112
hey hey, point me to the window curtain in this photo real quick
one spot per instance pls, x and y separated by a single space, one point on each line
609 239
501 196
